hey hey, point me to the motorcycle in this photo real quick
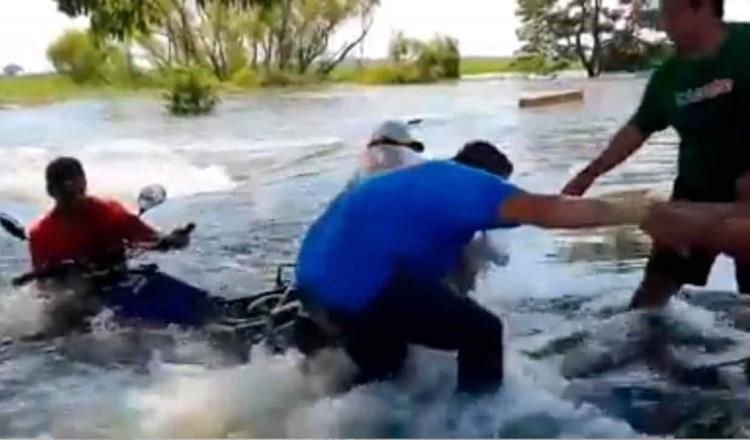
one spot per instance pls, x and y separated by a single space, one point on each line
144 296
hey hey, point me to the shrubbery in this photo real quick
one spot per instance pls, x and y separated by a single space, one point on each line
77 55
537 64
415 61
191 91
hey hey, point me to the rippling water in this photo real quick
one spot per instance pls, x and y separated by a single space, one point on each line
252 176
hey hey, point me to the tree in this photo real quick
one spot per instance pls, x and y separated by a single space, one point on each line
581 27
535 31
12 69
279 37
365 9
75 54
401 48
586 30
413 60
121 18
294 35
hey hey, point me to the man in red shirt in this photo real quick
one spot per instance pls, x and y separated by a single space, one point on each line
84 228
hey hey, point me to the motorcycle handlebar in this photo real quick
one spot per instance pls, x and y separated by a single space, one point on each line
47 273
67 267
187 229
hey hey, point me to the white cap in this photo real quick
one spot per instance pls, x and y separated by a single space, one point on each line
395 132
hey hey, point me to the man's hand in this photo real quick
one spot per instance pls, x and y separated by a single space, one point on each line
178 239
623 144
580 183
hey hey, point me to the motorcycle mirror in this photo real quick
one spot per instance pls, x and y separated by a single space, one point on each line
151 197
12 226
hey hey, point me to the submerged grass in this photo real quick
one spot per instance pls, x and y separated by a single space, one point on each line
47 88
52 87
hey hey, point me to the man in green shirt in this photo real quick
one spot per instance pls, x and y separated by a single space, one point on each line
703 92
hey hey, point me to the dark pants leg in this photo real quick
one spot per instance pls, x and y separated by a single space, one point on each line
667 271
742 274
408 312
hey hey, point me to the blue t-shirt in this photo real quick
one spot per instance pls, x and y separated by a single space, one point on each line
414 222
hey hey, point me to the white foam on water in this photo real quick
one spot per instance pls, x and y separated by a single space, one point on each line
504 283
252 400
118 169
272 398
22 313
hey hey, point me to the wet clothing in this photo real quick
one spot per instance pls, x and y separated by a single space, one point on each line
707 102
375 261
415 221
98 233
429 314
155 297
694 269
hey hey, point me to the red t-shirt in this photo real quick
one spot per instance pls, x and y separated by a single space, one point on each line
100 229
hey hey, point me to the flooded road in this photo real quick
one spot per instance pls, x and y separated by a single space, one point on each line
252 177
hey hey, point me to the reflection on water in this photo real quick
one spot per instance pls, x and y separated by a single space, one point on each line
253 176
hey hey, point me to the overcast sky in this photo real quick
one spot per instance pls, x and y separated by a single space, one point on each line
483 27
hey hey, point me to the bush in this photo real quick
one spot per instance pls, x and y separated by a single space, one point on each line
276 78
413 61
192 91
246 78
76 55
537 64
440 59
396 73
279 78
85 59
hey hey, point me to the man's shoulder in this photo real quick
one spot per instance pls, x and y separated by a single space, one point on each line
666 69
105 205
427 171
102 201
42 225
432 175
435 166
739 30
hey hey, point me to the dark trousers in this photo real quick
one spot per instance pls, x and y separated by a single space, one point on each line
408 312
667 271
694 269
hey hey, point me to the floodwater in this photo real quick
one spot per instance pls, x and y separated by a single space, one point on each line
252 176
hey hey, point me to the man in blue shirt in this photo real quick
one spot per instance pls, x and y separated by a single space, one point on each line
375 259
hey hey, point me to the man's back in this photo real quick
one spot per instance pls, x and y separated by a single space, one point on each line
413 221
98 229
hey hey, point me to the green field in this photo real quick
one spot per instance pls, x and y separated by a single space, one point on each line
40 89
35 89
46 88
479 65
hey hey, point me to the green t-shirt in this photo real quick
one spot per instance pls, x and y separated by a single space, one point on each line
707 101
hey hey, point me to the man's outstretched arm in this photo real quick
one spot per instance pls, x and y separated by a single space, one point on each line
552 211
626 142
723 227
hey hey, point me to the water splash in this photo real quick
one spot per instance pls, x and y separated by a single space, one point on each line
118 169
22 313
273 397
